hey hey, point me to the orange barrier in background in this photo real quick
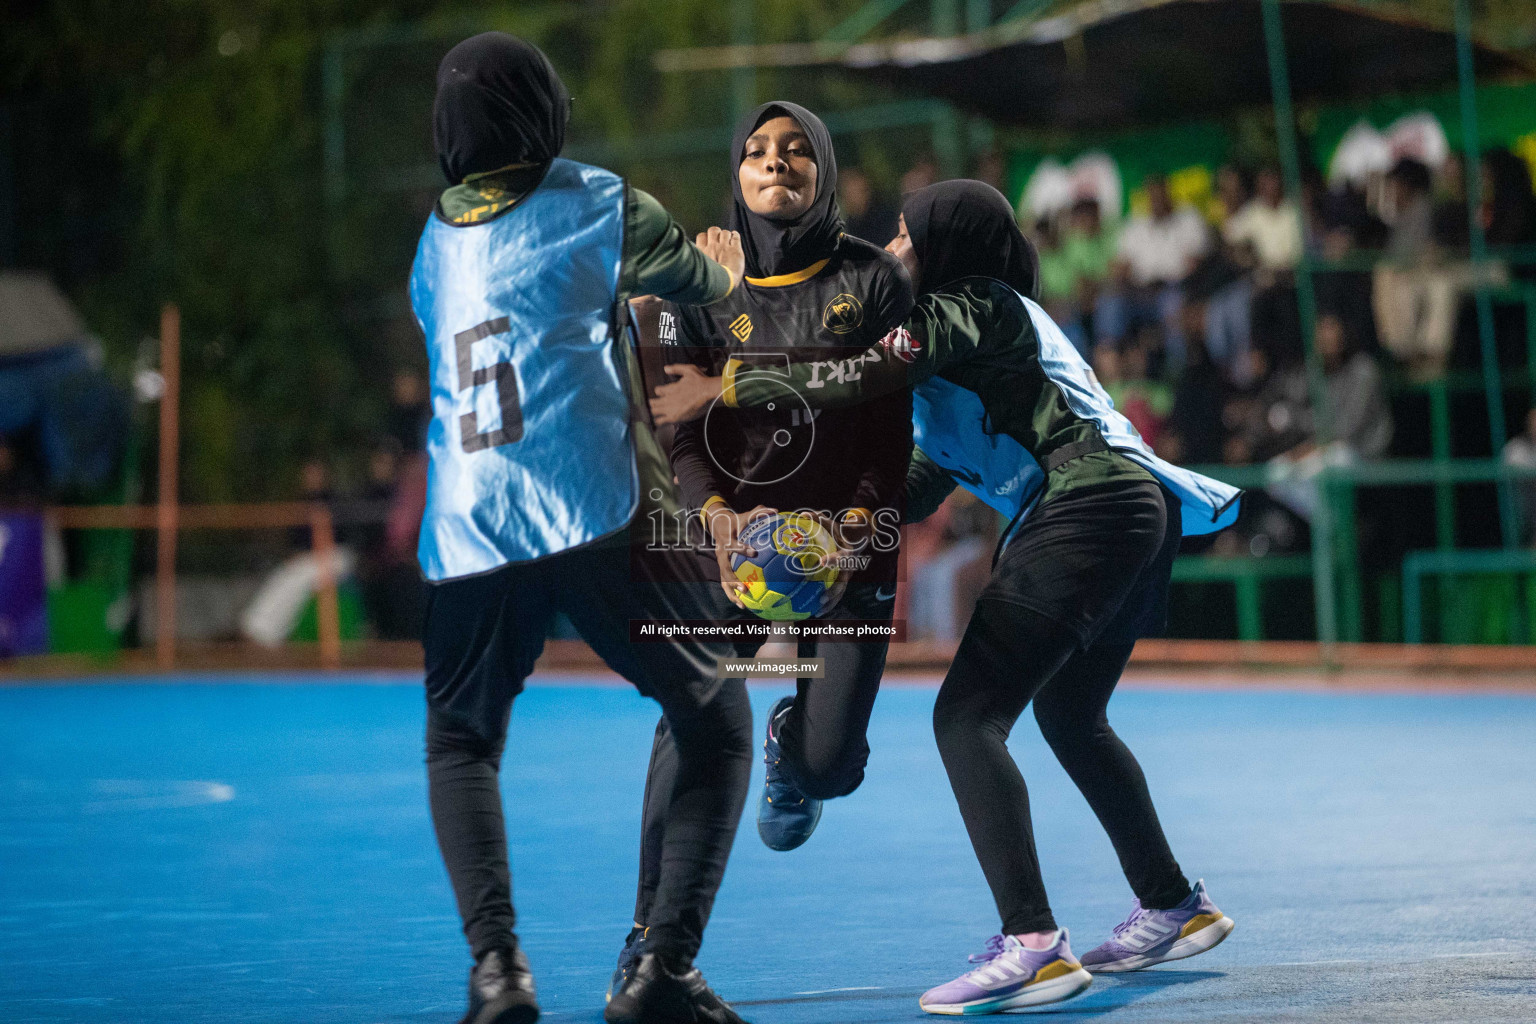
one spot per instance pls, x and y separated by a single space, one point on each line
167 517
168 520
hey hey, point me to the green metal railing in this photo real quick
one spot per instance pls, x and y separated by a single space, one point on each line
1335 542
1419 564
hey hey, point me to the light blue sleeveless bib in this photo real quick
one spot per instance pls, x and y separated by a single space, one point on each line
530 443
1002 472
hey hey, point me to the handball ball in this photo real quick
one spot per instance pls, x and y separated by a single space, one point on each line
791 571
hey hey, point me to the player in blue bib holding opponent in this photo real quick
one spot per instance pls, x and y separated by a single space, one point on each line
1004 406
538 468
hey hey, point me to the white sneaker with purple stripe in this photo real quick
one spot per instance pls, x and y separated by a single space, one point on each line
1011 976
1150 937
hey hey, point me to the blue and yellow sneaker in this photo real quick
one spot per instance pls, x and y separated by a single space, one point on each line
629 956
785 816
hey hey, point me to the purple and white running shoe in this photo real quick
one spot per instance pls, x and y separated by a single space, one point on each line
1150 937
1011 976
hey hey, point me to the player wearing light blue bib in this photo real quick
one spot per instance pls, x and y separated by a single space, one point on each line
538 466
1005 407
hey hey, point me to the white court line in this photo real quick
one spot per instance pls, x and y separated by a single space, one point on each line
146 795
851 988
1432 956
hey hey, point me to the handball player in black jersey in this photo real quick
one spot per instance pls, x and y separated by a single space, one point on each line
1010 411
811 292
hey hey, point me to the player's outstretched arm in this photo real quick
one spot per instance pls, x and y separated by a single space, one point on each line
659 260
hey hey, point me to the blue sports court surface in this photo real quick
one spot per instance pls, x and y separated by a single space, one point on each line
176 852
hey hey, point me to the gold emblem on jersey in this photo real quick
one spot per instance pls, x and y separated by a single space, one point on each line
742 327
843 314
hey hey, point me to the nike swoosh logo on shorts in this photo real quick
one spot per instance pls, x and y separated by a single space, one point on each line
881 595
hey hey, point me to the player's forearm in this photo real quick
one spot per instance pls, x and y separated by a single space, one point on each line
694 468
942 328
823 384
660 260
928 484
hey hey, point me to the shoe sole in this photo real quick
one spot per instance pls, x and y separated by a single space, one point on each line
1055 990
519 1013
781 845
1202 941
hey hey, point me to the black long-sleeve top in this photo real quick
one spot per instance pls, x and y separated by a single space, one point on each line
782 453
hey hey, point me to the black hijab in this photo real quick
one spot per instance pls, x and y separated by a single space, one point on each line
499 102
966 229
784 246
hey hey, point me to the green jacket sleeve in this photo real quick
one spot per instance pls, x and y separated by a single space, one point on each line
943 329
660 260
928 484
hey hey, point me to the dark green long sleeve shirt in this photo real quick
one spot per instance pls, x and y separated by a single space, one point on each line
976 333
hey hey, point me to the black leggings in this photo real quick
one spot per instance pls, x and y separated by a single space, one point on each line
482 637
1008 657
697 821
822 739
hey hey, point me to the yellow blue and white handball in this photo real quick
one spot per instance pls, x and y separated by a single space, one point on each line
792 570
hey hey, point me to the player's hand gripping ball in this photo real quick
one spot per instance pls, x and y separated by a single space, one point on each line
792 570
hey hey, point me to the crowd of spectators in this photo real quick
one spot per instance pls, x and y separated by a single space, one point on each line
1189 316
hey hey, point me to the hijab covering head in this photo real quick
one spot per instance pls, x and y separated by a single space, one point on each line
499 103
966 229
775 247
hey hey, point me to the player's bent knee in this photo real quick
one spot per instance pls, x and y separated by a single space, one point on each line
827 779
449 735
1063 729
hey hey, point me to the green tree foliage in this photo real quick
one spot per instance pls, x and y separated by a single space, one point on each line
206 120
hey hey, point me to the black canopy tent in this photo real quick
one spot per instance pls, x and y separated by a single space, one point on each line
1111 64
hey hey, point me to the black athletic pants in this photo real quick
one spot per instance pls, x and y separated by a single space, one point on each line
1056 627
482 637
822 738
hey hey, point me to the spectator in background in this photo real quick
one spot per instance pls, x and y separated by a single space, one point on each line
1139 398
1193 432
1074 265
920 175
1267 229
1449 227
1509 204
1359 418
410 410
1415 295
1058 281
394 595
59 410
865 214
1263 240
1232 192
1156 252
1338 220
1520 452
1409 205
992 169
